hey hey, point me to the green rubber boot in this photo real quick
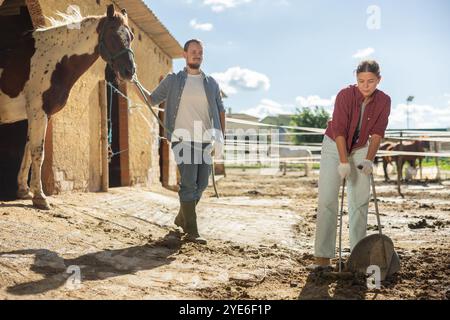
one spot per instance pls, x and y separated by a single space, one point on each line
179 219
190 222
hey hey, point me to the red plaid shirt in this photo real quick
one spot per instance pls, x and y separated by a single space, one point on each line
346 116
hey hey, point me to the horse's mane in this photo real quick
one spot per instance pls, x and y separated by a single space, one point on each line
72 16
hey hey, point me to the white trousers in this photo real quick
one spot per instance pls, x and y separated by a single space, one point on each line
330 186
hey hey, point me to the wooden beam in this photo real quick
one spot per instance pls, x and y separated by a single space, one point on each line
104 134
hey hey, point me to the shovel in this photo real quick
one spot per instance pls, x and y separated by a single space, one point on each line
374 250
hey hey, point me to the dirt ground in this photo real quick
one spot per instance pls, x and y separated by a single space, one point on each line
123 244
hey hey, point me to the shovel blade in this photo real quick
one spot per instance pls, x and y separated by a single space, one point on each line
374 250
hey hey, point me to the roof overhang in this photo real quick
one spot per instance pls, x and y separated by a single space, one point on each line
144 17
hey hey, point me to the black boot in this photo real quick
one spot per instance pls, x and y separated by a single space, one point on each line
190 220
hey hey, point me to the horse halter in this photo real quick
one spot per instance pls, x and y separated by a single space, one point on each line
109 56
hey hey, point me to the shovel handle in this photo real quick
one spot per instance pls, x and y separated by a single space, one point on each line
374 191
340 225
372 180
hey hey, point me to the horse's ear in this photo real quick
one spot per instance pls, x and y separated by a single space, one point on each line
125 14
110 11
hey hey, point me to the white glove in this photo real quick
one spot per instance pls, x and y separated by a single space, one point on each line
344 170
367 167
217 147
217 150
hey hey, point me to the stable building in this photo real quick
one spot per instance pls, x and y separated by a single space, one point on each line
74 153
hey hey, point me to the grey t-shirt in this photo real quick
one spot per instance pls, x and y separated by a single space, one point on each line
193 118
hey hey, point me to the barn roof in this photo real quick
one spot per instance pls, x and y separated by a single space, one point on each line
138 11
144 17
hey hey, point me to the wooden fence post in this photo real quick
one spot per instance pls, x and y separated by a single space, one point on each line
104 134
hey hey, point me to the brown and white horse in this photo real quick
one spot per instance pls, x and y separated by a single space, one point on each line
37 75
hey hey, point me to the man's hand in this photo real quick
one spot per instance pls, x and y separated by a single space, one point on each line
217 147
344 170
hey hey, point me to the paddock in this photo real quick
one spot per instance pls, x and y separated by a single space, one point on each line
260 236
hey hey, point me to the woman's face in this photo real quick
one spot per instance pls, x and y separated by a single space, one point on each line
367 83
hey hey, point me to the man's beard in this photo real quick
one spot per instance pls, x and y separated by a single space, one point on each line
194 66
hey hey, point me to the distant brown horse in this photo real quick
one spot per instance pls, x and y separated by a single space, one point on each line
388 146
416 146
37 75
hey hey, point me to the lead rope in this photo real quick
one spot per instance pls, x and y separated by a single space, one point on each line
142 92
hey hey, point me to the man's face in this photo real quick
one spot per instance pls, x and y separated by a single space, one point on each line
194 56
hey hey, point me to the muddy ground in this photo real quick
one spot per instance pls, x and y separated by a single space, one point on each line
123 245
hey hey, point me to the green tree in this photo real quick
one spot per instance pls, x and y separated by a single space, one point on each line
316 117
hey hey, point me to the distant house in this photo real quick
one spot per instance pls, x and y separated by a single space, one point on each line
240 116
280 120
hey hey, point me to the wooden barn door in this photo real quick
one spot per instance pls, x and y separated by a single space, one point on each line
12 142
117 107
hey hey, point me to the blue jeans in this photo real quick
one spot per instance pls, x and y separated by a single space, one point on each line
195 165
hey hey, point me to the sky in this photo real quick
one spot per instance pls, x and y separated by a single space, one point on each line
275 56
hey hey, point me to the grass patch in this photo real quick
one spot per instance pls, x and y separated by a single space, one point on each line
444 164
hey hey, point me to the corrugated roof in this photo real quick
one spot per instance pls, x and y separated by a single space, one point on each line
144 17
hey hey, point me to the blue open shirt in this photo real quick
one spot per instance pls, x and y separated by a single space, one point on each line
170 91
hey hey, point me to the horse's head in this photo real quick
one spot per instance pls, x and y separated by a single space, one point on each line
115 37
425 144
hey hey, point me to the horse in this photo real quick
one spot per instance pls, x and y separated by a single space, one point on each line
38 73
287 153
388 146
416 146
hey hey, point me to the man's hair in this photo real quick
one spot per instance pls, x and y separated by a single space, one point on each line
186 46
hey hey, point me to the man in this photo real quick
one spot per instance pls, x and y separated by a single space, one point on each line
194 118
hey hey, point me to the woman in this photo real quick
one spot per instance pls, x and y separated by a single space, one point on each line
352 139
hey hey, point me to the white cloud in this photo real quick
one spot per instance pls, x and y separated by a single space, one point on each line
221 5
269 108
201 26
237 78
312 101
272 108
447 95
422 117
364 53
